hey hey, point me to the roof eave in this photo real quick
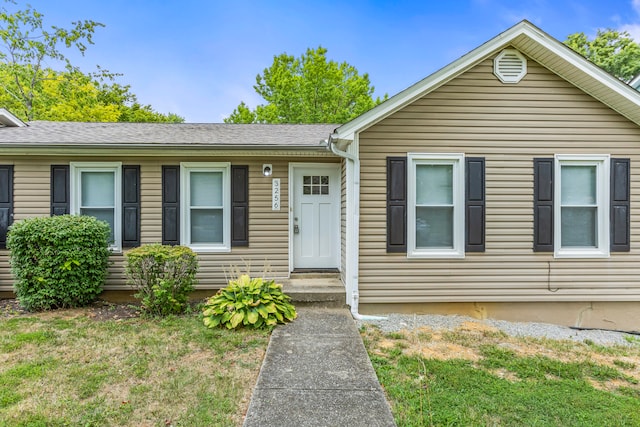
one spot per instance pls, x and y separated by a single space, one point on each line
124 146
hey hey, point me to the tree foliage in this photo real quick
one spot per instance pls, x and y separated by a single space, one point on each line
614 51
309 89
33 90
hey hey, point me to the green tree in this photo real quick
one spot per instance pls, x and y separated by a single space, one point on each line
614 51
35 92
27 44
309 89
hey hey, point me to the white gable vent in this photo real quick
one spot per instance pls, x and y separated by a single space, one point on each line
510 66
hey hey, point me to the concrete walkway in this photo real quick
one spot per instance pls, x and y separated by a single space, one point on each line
317 373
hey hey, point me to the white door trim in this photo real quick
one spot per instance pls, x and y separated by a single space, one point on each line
293 166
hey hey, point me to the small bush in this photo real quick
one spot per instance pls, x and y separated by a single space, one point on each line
59 261
163 276
254 303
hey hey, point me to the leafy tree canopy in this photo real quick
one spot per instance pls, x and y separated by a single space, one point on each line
309 89
614 51
34 91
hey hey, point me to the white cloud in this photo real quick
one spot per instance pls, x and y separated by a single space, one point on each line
632 29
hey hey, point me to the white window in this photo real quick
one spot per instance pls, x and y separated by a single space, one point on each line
581 211
96 191
205 204
435 211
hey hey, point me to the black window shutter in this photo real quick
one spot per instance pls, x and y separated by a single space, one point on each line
239 205
543 205
170 205
475 204
396 204
6 202
60 190
620 206
130 206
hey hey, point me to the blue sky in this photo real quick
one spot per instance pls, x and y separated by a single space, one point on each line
199 58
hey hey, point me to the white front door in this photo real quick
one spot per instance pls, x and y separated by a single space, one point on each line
316 216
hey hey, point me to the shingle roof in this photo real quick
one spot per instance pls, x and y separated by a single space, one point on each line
167 134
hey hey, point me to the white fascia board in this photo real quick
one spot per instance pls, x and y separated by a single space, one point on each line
347 131
581 63
8 119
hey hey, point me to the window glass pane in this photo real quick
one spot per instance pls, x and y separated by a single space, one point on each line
434 184
579 227
434 227
206 226
206 188
103 215
97 188
578 185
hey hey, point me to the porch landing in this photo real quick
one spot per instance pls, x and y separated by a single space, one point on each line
315 289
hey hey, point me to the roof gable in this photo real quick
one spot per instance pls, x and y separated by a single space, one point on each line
531 41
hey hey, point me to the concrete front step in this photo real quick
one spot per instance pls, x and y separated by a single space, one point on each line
314 290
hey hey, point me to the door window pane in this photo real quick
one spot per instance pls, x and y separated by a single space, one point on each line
316 184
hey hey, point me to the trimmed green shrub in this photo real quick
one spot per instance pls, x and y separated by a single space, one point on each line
59 261
253 303
163 277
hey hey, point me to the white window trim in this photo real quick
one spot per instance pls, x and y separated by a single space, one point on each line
76 168
601 161
457 160
185 219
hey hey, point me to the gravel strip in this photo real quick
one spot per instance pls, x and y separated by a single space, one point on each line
397 322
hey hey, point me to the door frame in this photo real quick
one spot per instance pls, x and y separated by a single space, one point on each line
293 167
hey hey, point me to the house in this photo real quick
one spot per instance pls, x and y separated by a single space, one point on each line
499 186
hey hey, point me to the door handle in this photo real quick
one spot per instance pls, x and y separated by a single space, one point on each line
296 229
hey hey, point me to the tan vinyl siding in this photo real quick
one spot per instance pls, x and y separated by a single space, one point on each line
32 177
509 125
268 250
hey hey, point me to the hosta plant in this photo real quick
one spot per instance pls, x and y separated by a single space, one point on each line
251 303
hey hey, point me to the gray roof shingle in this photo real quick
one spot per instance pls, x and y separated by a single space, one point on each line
167 134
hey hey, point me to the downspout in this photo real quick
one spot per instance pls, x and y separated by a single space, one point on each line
352 249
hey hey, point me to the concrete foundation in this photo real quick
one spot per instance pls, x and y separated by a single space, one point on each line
624 316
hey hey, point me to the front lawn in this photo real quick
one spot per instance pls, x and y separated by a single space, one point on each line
478 376
66 368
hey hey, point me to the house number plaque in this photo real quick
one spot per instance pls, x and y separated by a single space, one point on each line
275 193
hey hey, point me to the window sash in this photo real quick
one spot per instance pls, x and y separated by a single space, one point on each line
435 223
96 190
581 213
205 224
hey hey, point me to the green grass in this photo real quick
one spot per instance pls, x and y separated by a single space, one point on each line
62 369
503 381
